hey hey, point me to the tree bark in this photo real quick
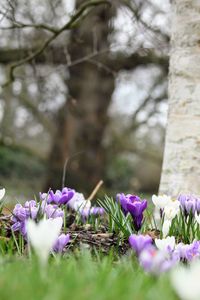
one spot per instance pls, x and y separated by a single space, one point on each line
83 119
181 165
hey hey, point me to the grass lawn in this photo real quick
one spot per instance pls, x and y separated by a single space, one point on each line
80 278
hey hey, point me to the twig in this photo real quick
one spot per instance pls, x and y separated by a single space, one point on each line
19 25
65 166
87 58
103 67
4 14
95 190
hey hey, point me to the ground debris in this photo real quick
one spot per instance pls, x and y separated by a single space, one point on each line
101 240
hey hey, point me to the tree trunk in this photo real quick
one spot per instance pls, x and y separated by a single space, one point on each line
181 165
83 119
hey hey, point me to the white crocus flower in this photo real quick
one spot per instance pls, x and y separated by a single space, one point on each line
2 193
175 204
171 211
78 202
165 244
161 201
157 218
197 218
165 228
186 281
43 236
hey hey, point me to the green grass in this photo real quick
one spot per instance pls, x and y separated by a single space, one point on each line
80 278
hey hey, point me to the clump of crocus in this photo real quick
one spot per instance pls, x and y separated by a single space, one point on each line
164 255
33 210
43 236
189 204
161 201
168 244
83 206
170 212
135 206
166 209
78 202
183 252
59 197
74 200
188 252
93 211
51 211
139 242
156 261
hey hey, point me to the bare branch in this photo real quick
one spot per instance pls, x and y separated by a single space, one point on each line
85 8
103 66
18 25
135 125
147 99
156 31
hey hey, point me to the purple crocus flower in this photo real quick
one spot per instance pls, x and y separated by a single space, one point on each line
139 242
198 205
155 261
44 197
53 211
189 203
124 199
20 213
61 242
30 210
97 211
31 203
23 229
93 211
16 226
187 252
68 193
136 210
135 206
60 197
20 226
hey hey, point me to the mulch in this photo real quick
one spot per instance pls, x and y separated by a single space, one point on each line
100 240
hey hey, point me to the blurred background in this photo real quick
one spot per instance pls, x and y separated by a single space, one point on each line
95 98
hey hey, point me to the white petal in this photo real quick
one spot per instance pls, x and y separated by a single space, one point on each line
157 218
197 218
78 202
170 212
186 281
2 193
159 244
155 200
165 243
161 201
166 227
43 235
